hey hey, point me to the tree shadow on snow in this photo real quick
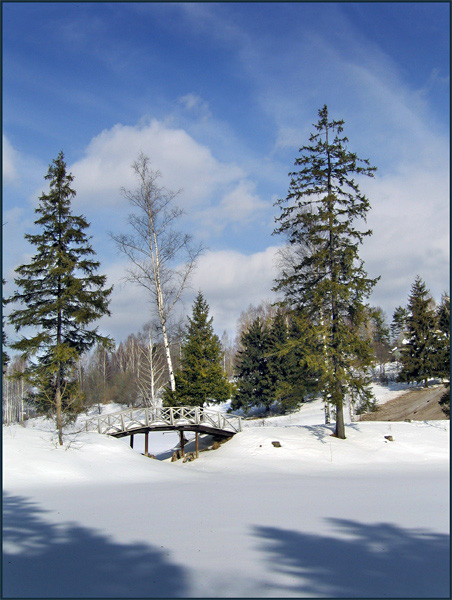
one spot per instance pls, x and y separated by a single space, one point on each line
45 560
321 432
363 561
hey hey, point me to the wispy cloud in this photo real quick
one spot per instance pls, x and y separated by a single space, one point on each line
10 159
219 192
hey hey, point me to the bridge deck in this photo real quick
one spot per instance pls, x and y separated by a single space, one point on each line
180 418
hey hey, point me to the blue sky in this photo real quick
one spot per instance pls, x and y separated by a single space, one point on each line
221 97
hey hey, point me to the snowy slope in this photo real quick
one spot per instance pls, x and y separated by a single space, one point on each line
317 517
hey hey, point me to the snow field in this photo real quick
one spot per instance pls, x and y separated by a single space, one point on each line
317 517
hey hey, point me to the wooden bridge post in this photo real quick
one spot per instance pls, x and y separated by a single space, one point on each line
182 442
131 440
197 444
146 441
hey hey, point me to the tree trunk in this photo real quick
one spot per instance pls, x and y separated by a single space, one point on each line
59 420
151 366
161 308
340 425
351 406
168 358
338 399
327 413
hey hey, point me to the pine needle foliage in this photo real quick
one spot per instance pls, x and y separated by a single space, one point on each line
419 353
200 378
327 280
442 362
255 372
61 295
300 357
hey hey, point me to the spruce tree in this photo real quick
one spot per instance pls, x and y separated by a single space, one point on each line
442 363
61 295
200 378
442 354
277 338
255 382
418 353
302 361
327 278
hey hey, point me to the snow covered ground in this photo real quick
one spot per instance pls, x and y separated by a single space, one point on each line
317 517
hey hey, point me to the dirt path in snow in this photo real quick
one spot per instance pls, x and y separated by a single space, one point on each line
421 404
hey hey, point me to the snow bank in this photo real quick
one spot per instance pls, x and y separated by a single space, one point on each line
309 449
317 517
32 457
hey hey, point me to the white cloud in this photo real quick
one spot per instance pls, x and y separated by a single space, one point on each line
183 162
9 160
195 104
214 194
130 306
229 280
22 173
239 206
410 222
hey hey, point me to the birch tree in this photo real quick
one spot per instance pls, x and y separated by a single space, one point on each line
153 373
161 258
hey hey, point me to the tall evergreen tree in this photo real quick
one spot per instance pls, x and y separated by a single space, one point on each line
442 358
328 279
255 385
201 377
418 353
61 295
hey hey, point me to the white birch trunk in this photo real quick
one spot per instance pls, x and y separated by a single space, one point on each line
327 413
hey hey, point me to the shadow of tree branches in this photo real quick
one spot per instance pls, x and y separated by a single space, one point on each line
45 560
363 561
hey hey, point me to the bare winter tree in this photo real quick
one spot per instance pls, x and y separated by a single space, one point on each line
229 352
162 259
266 311
14 390
153 376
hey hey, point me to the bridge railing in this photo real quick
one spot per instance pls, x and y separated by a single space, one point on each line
136 418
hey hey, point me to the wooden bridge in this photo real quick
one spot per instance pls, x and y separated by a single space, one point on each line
181 418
